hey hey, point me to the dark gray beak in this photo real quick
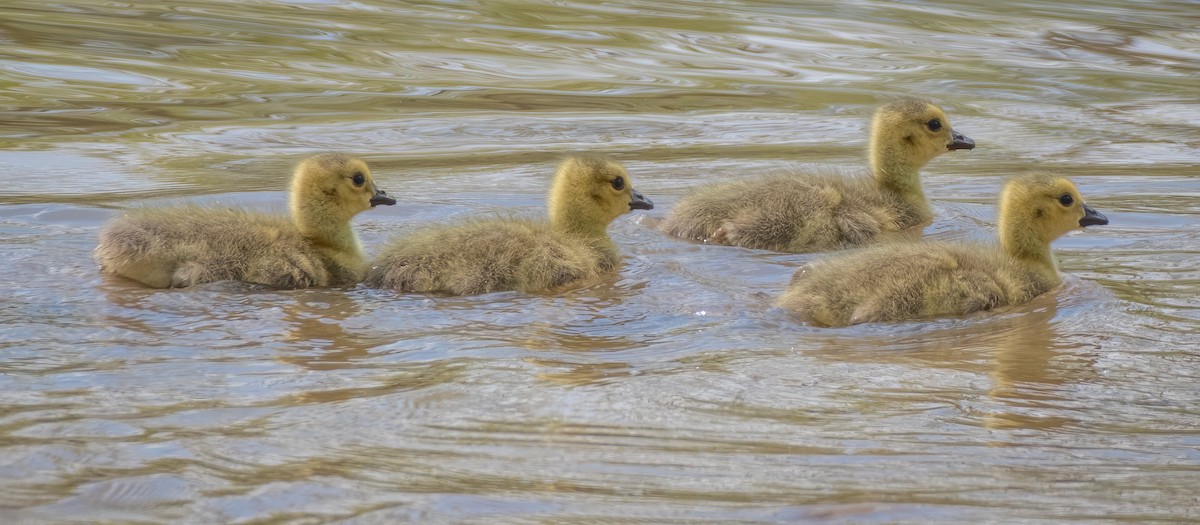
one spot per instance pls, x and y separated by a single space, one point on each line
381 197
639 201
960 141
1091 217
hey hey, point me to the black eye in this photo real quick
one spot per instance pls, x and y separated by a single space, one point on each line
358 178
934 125
1066 199
619 183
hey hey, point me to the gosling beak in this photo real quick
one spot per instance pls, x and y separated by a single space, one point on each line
638 201
381 197
1091 217
960 141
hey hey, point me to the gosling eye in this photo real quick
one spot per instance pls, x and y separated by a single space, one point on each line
358 179
618 183
1066 199
934 125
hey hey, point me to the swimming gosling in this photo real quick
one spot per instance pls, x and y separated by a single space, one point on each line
929 279
806 212
190 245
529 255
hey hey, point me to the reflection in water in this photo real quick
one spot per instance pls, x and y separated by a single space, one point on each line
318 341
574 374
316 323
1027 372
1032 368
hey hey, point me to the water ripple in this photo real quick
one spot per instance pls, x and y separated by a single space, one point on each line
669 391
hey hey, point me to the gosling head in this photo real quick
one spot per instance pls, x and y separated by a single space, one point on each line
908 133
1045 206
589 192
334 186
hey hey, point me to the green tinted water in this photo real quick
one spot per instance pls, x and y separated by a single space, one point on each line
669 392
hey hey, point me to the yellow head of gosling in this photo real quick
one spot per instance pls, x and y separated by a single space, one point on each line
905 135
589 192
331 188
1037 208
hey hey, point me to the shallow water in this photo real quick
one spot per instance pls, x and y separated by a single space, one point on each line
670 392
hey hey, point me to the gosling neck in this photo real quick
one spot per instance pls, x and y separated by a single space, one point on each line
590 231
897 172
1028 245
325 226
572 222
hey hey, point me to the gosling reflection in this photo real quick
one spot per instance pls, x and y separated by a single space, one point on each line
157 315
1029 368
320 327
1025 353
565 373
560 344
126 304
1029 363
315 321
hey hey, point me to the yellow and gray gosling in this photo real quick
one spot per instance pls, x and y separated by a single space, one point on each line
806 212
314 247
507 253
929 279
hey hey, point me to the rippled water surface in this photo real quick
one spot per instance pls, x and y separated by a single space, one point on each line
671 392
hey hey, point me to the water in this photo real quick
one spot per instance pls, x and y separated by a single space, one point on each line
671 392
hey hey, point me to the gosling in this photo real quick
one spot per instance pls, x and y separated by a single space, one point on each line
190 245
806 212
929 279
509 253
